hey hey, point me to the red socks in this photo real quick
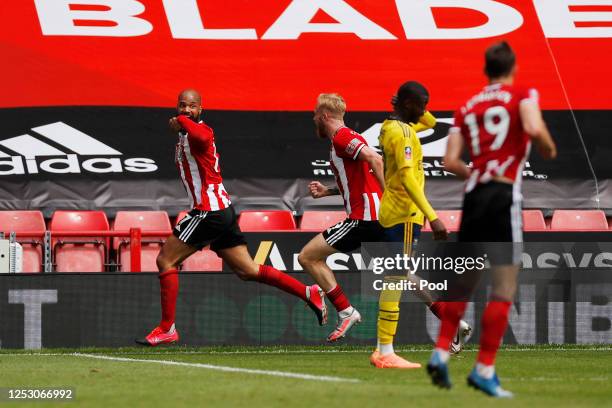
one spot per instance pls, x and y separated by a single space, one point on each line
284 282
169 286
338 298
453 311
494 322
437 308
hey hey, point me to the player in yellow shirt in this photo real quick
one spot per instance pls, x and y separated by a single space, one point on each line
404 207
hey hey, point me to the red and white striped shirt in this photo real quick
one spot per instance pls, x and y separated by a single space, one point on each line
197 160
491 126
359 188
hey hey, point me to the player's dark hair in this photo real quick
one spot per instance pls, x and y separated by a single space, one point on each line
499 60
412 90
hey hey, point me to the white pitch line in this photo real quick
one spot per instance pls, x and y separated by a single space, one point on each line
223 368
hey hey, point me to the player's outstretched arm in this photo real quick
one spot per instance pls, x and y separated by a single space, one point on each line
375 161
535 127
452 158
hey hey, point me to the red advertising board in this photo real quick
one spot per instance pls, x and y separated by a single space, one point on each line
279 54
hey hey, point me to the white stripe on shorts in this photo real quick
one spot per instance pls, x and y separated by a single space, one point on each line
338 235
193 224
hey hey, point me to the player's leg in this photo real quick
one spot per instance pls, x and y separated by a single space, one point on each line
464 330
232 249
388 306
455 306
493 326
344 237
172 254
505 215
313 259
495 317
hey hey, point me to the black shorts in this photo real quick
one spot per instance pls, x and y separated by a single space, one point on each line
348 235
218 228
492 213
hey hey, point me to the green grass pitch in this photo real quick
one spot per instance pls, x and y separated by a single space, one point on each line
564 376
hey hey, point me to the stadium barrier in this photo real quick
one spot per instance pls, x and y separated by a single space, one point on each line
111 309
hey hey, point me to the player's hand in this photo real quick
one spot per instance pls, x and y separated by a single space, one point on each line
439 230
548 151
174 125
317 190
394 100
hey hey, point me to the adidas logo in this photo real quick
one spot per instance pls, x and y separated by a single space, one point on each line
31 150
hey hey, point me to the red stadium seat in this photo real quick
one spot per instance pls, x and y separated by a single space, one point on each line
79 254
533 220
201 261
450 218
579 220
25 221
320 220
272 220
146 221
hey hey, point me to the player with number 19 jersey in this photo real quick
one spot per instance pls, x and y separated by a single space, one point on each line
491 127
490 124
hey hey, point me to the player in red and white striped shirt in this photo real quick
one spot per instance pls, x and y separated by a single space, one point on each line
198 163
359 176
211 221
497 126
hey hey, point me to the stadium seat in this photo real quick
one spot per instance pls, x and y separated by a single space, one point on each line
273 220
579 220
533 220
79 254
450 218
25 221
146 221
201 261
320 220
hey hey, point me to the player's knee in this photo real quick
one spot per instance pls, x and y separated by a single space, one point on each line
302 259
241 274
246 274
164 263
305 259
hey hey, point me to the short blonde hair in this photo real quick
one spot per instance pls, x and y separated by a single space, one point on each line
332 103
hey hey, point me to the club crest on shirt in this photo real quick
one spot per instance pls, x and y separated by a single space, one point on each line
408 153
352 146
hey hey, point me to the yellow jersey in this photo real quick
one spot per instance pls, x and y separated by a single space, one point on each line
401 148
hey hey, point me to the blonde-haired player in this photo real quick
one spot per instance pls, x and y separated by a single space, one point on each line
359 177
